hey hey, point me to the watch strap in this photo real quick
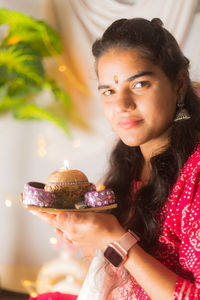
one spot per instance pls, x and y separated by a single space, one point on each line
117 252
128 240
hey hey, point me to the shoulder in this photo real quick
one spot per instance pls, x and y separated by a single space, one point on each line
187 188
190 173
184 200
193 162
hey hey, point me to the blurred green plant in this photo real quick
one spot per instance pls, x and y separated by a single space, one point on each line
22 75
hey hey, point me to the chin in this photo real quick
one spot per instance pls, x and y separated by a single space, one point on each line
130 142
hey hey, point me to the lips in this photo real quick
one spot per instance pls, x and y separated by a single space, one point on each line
128 123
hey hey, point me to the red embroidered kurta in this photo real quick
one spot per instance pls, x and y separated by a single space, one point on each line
179 240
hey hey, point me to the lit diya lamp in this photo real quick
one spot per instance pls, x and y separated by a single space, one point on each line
68 186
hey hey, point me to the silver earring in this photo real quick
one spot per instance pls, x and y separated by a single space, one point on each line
182 113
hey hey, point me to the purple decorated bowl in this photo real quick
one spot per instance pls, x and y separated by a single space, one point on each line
100 198
35 195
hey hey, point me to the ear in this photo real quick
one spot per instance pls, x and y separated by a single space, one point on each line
182 82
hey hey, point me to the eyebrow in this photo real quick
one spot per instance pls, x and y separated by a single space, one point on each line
140 74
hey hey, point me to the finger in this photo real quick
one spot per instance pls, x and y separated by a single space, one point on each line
59 232
46 217
64 218
75 243
69 223
67 239
64 236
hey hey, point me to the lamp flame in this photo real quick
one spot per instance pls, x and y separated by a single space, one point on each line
66 164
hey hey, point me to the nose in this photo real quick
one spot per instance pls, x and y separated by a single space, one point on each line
124 101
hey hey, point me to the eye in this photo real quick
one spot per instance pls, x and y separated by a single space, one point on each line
140 84
107 92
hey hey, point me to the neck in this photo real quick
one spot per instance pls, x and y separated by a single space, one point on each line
154 147
150 149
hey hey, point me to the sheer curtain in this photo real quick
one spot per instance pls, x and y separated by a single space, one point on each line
81 22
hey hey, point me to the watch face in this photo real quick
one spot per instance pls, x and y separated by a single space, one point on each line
113 256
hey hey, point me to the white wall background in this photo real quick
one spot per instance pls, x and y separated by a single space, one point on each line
24 240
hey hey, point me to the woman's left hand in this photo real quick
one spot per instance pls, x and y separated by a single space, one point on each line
85 229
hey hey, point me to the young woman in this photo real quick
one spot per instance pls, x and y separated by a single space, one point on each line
154 169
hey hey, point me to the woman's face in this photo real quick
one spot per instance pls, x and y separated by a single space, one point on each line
139 101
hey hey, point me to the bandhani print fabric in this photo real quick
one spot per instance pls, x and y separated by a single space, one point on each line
179 238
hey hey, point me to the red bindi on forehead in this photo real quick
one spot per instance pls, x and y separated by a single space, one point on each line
115 78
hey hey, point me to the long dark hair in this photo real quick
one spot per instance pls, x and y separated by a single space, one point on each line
139 212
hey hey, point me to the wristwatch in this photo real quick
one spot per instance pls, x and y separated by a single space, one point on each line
117 252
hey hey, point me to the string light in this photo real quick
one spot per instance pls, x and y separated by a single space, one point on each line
26 283
53 240
13 40
76 143
8 203
33 294
30 287
62 68
41 146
